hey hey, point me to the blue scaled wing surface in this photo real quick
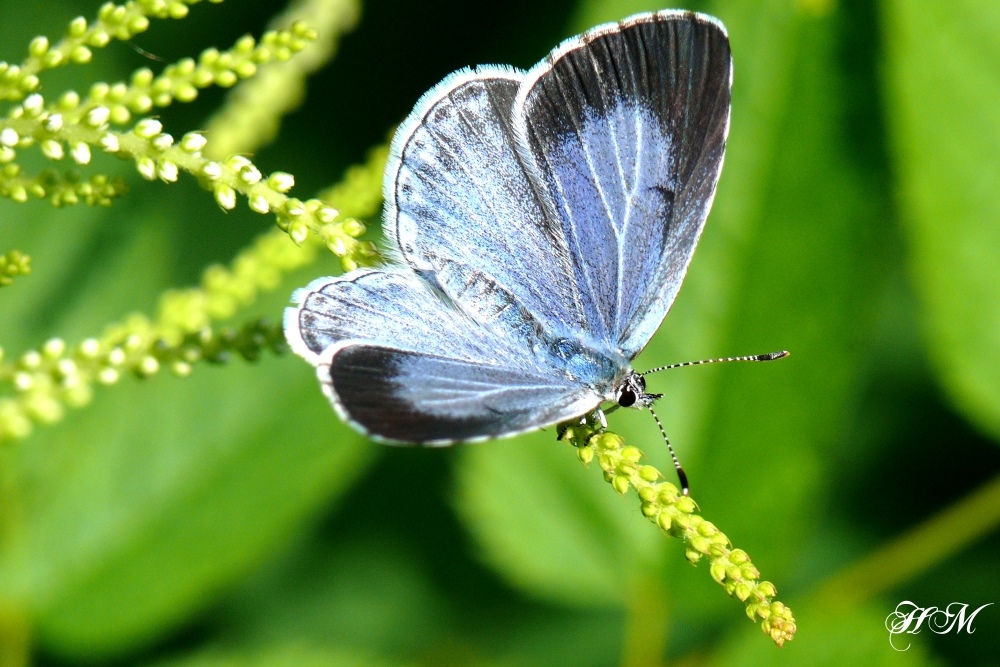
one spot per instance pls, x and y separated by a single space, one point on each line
402 364
459 202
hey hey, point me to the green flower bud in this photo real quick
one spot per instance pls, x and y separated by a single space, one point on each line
98 116
77 27
9 137
258 204
38 47
147 128
225 197
649 473
620 484
146 166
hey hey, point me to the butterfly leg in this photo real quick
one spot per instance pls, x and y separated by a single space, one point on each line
595 420
562 428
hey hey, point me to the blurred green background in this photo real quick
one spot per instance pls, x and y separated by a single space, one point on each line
230 519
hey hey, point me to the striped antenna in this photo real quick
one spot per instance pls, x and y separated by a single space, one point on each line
770 356
681 475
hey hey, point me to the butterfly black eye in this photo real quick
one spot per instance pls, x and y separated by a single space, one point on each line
626 398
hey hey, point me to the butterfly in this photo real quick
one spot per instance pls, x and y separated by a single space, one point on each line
541 223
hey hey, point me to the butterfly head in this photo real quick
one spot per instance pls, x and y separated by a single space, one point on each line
631 392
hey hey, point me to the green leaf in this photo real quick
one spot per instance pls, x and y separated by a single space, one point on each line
944 101
360 584
280 656
367 592
806 282
550 525
173 515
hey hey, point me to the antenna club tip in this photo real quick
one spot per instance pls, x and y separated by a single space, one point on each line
771 356
683 479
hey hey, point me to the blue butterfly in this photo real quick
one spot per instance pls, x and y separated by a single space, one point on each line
543 222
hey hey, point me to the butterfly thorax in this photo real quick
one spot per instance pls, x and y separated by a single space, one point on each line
606 371
608 374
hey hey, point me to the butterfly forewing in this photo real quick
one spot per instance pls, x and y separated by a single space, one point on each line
625 128
458 201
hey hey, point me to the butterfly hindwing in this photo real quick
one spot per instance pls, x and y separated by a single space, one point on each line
407 396
392 307
402 364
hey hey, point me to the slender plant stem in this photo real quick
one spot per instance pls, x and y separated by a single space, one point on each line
917 550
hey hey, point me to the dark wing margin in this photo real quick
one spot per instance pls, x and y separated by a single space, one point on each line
401 396
625 127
